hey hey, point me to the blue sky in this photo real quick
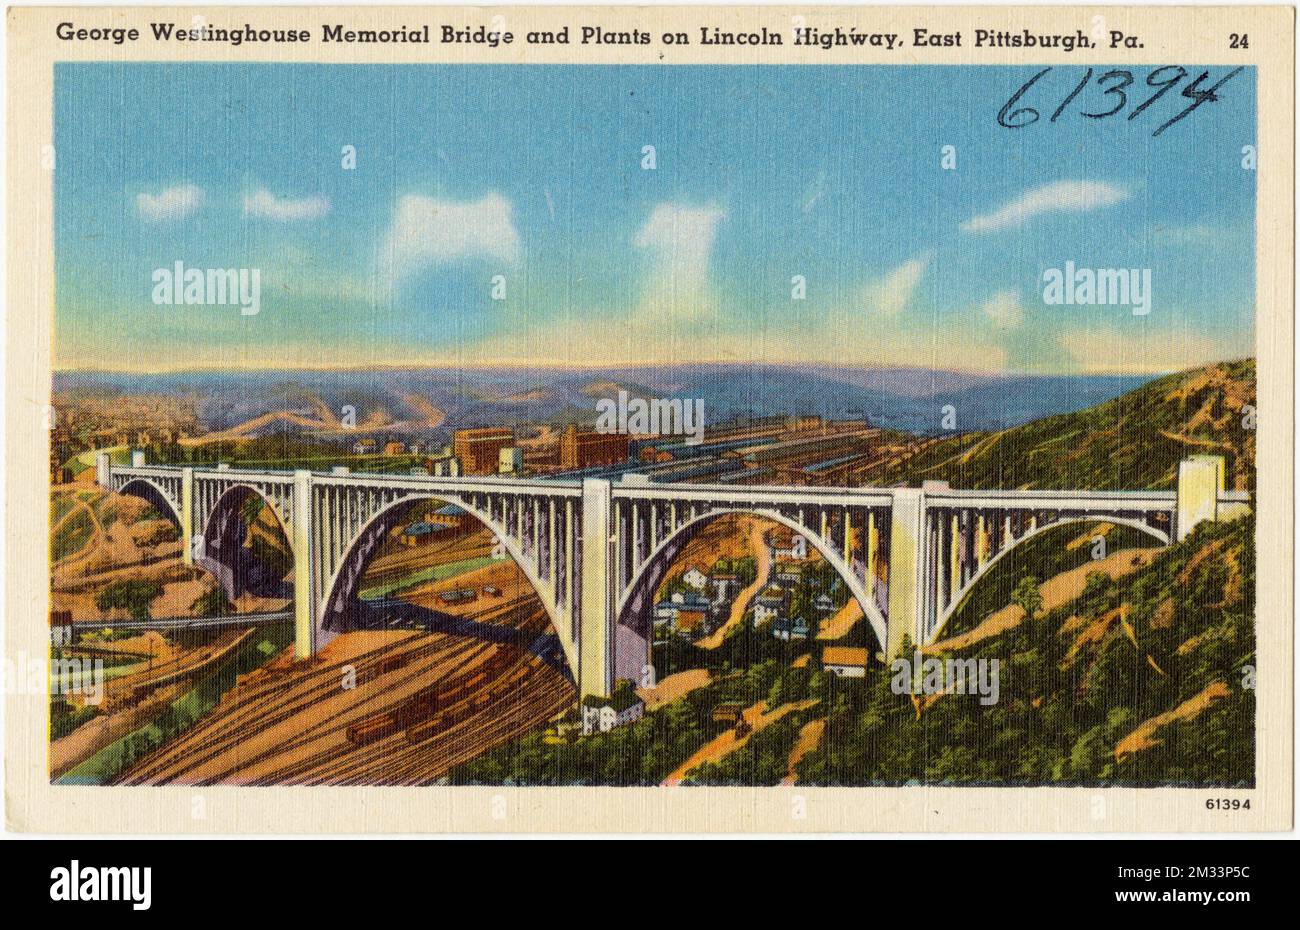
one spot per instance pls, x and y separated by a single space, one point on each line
466 173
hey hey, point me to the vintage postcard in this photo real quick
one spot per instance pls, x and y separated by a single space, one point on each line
649 419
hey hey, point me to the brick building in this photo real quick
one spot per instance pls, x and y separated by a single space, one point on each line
591 450
479 450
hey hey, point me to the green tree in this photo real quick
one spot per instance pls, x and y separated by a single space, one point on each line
133 596
1027 596
213 603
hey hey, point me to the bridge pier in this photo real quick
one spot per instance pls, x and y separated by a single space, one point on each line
907 568
1200 483
304 591
187 516
599 562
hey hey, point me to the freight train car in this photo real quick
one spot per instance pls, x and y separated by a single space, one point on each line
462 596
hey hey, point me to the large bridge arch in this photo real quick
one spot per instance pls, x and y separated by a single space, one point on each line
968 588
221 549
640 591
344 584
151 491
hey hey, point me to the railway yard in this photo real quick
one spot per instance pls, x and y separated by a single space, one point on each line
383 707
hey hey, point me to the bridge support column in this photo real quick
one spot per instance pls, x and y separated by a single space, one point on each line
187 516
595 642
1200 482
552 563
873 547
907 551
304 593
954 561
570 535
102 475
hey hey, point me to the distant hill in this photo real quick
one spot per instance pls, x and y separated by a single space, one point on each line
1132 441
399 399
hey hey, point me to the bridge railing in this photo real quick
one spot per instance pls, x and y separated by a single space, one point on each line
486 482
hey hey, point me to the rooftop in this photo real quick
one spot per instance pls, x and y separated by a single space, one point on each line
844 655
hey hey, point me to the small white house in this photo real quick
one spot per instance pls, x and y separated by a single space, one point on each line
603 716
787 574
695 578
785 544
845 661
770 605
786 629
723 585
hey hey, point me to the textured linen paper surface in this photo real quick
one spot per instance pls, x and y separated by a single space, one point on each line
649 419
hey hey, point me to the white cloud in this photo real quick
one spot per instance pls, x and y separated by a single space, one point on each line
869 328
1004 309
266 205
428 231
890 294
1057 197
679 239
683 238
170 203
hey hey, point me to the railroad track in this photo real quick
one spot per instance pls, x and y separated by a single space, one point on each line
274 701
185 623
523 694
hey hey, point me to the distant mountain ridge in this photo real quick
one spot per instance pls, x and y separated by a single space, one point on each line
910 400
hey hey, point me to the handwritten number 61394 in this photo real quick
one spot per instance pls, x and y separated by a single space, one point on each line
1115 95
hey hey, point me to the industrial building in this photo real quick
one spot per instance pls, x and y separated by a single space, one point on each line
479 450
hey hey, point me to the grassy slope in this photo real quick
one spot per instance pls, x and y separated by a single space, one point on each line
1040 558
1077 684
1132 441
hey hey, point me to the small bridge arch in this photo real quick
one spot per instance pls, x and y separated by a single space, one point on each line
240 491
219 548
149 490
